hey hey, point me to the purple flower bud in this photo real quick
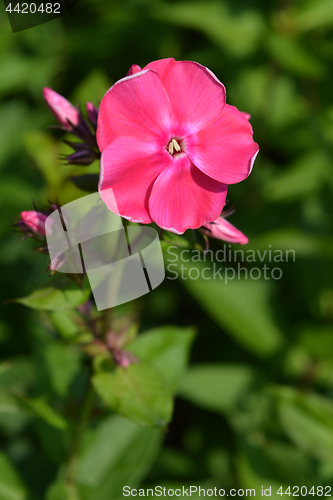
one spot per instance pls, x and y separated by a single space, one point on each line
84 154
81 158
92 112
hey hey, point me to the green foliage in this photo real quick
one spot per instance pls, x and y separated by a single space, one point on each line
252 324
56 298
167 349
103 470
136 392
217 388
255 407
11 485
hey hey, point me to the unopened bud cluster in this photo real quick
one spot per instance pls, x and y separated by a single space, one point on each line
72 120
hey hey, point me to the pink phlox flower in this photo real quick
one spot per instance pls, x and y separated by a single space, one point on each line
171 145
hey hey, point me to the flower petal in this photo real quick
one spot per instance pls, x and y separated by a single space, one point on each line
196 95
183 197
130 166
225 149
136 106
221 229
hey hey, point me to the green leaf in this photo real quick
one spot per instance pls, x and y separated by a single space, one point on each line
218 388
39 407
69 324
87 182
294 241
303 178
318 342
236 32
118 453
314 14
61 491
11 485
63 363
16 374
137 392
55 299
167 348
290 54
271 464
241 307
45 151
307 419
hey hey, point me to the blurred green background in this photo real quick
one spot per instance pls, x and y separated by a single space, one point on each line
255 407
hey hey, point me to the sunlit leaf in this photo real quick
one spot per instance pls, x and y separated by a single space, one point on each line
62 491
217 387
92 88
119 453
11 485
307 419
45 152
306 176
40 408
63 363
314 14
290 54
55 299
238 33
167 348
137 392
240 306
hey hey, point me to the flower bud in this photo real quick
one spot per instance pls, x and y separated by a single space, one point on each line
123 358
67 115
35 221
92 113
84 154
221 229
133 69
246 115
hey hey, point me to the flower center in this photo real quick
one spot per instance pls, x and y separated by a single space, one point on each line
173 147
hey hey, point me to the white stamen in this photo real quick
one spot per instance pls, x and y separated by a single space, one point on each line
173 146
170 147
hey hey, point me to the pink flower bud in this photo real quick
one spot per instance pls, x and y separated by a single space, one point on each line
133 69
66 114
221 229
92 112
123 358
246 115
35 221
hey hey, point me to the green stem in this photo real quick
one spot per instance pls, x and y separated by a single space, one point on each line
107 321
85 410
